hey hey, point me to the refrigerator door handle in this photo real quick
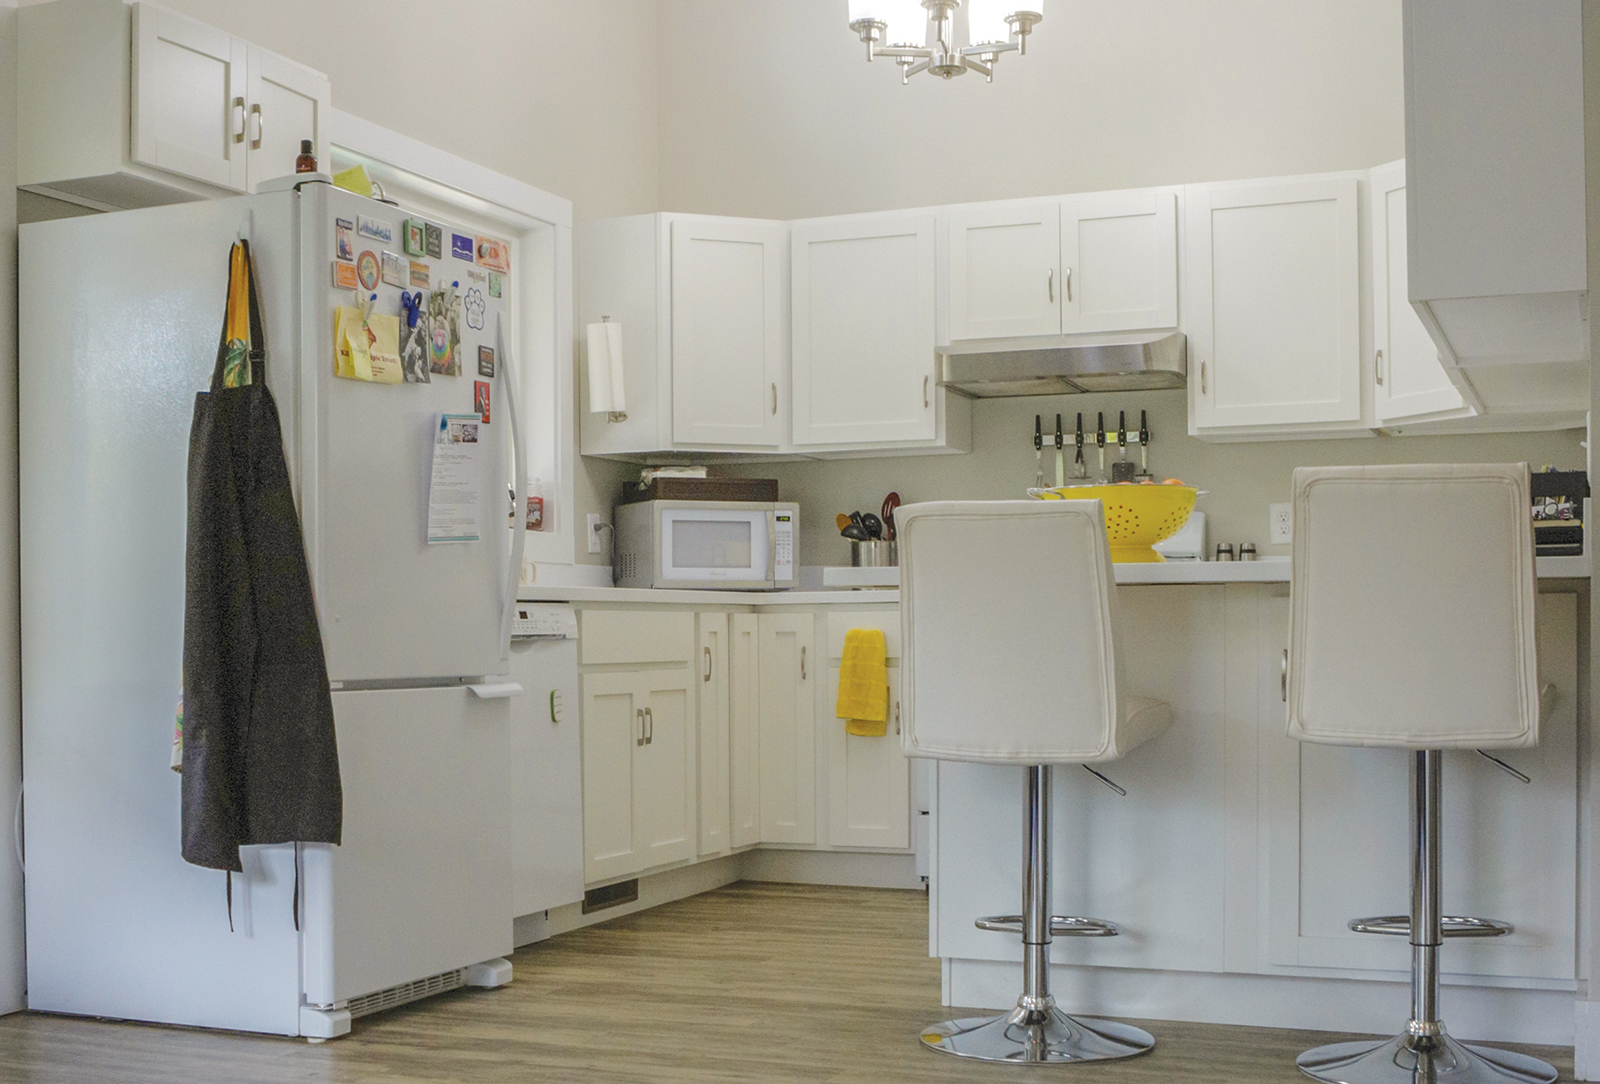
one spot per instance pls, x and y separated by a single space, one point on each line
496 690
519 459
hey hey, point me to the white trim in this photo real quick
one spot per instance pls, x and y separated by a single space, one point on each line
540 228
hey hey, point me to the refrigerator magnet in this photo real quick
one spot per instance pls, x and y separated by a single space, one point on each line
345 277
344 231
486 361
367 269
495 287
415 237
419 275
480 399
461 247
474 305
435 241
396 270
375 229
493 254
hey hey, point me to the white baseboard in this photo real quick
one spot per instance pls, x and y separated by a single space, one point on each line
1274 1001
855 868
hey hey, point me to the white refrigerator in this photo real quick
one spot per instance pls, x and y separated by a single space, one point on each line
120 316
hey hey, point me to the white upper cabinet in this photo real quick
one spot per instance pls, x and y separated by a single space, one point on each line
728 306
1099 262
188 98
288 103
1273 304
1409 382
134 105
1119 261
863 331
1005 270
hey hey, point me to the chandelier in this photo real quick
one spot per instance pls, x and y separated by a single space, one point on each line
901 29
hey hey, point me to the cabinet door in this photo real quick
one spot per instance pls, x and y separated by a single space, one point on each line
1119 261
613 728
714 737
188 98
788 728
1274 310
869 778
285 104
1005 275
663 771
744 724
728 303
863 338
1408 378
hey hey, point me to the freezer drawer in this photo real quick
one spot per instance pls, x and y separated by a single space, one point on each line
422 882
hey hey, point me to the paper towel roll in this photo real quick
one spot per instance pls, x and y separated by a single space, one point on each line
606 394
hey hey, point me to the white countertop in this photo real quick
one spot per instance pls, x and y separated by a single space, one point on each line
1264 570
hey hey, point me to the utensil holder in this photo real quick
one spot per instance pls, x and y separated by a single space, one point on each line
874 554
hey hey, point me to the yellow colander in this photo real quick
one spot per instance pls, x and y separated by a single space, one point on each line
1137 516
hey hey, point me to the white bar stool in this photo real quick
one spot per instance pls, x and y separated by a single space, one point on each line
1411 625
1008 622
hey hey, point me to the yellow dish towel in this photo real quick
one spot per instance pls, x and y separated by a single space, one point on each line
864 684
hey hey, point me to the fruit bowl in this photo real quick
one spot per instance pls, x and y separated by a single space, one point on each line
1137 516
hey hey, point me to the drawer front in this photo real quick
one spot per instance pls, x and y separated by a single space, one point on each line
886 620
635 636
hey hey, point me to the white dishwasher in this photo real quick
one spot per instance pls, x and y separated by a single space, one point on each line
547 769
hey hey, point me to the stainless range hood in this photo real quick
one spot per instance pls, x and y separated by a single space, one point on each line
1065 365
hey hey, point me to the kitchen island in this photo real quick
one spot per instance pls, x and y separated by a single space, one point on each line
1238 855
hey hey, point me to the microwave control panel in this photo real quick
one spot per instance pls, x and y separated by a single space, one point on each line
783 546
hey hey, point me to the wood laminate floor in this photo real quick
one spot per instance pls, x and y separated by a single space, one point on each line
753 982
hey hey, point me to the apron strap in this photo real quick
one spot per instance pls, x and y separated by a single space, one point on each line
241 265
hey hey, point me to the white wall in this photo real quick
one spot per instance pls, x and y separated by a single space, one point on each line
12 973
769 109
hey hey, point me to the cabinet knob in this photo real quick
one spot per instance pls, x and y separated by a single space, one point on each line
1378 367
802 664
708 664
238 115
1202 377
638 716
1050 284
261 126
774 400
925 401
1068 282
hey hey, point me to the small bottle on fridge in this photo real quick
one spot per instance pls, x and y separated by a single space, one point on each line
535 505
307 162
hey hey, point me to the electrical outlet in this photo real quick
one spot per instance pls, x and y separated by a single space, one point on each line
1280 522
594 533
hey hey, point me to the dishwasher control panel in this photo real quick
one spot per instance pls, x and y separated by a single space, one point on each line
544 621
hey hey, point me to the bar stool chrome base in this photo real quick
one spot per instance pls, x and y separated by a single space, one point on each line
1409 1059
1035 1036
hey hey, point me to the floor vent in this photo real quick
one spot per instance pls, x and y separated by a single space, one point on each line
406 991
598 899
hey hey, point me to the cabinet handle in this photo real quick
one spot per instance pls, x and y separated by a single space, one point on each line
774 400
708 664
650 721
1379 367
924 393
261 126
1202 378
638 715
802 664
1068 283
238 110
897 716
1050 284
1283 677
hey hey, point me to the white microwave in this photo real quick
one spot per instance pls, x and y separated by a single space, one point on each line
732 545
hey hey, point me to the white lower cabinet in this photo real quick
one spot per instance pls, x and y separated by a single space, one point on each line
869 778
744 730
714 735
788 671
638 802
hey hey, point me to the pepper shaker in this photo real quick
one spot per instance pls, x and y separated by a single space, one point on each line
1247 551
1224 551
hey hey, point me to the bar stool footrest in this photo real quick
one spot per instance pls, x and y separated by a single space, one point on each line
1060 926
1450 926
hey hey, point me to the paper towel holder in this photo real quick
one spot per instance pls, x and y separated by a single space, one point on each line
613 416
605 371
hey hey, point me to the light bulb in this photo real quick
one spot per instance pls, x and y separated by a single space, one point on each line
908 23
986 21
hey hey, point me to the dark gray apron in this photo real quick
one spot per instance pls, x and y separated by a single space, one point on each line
260 762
